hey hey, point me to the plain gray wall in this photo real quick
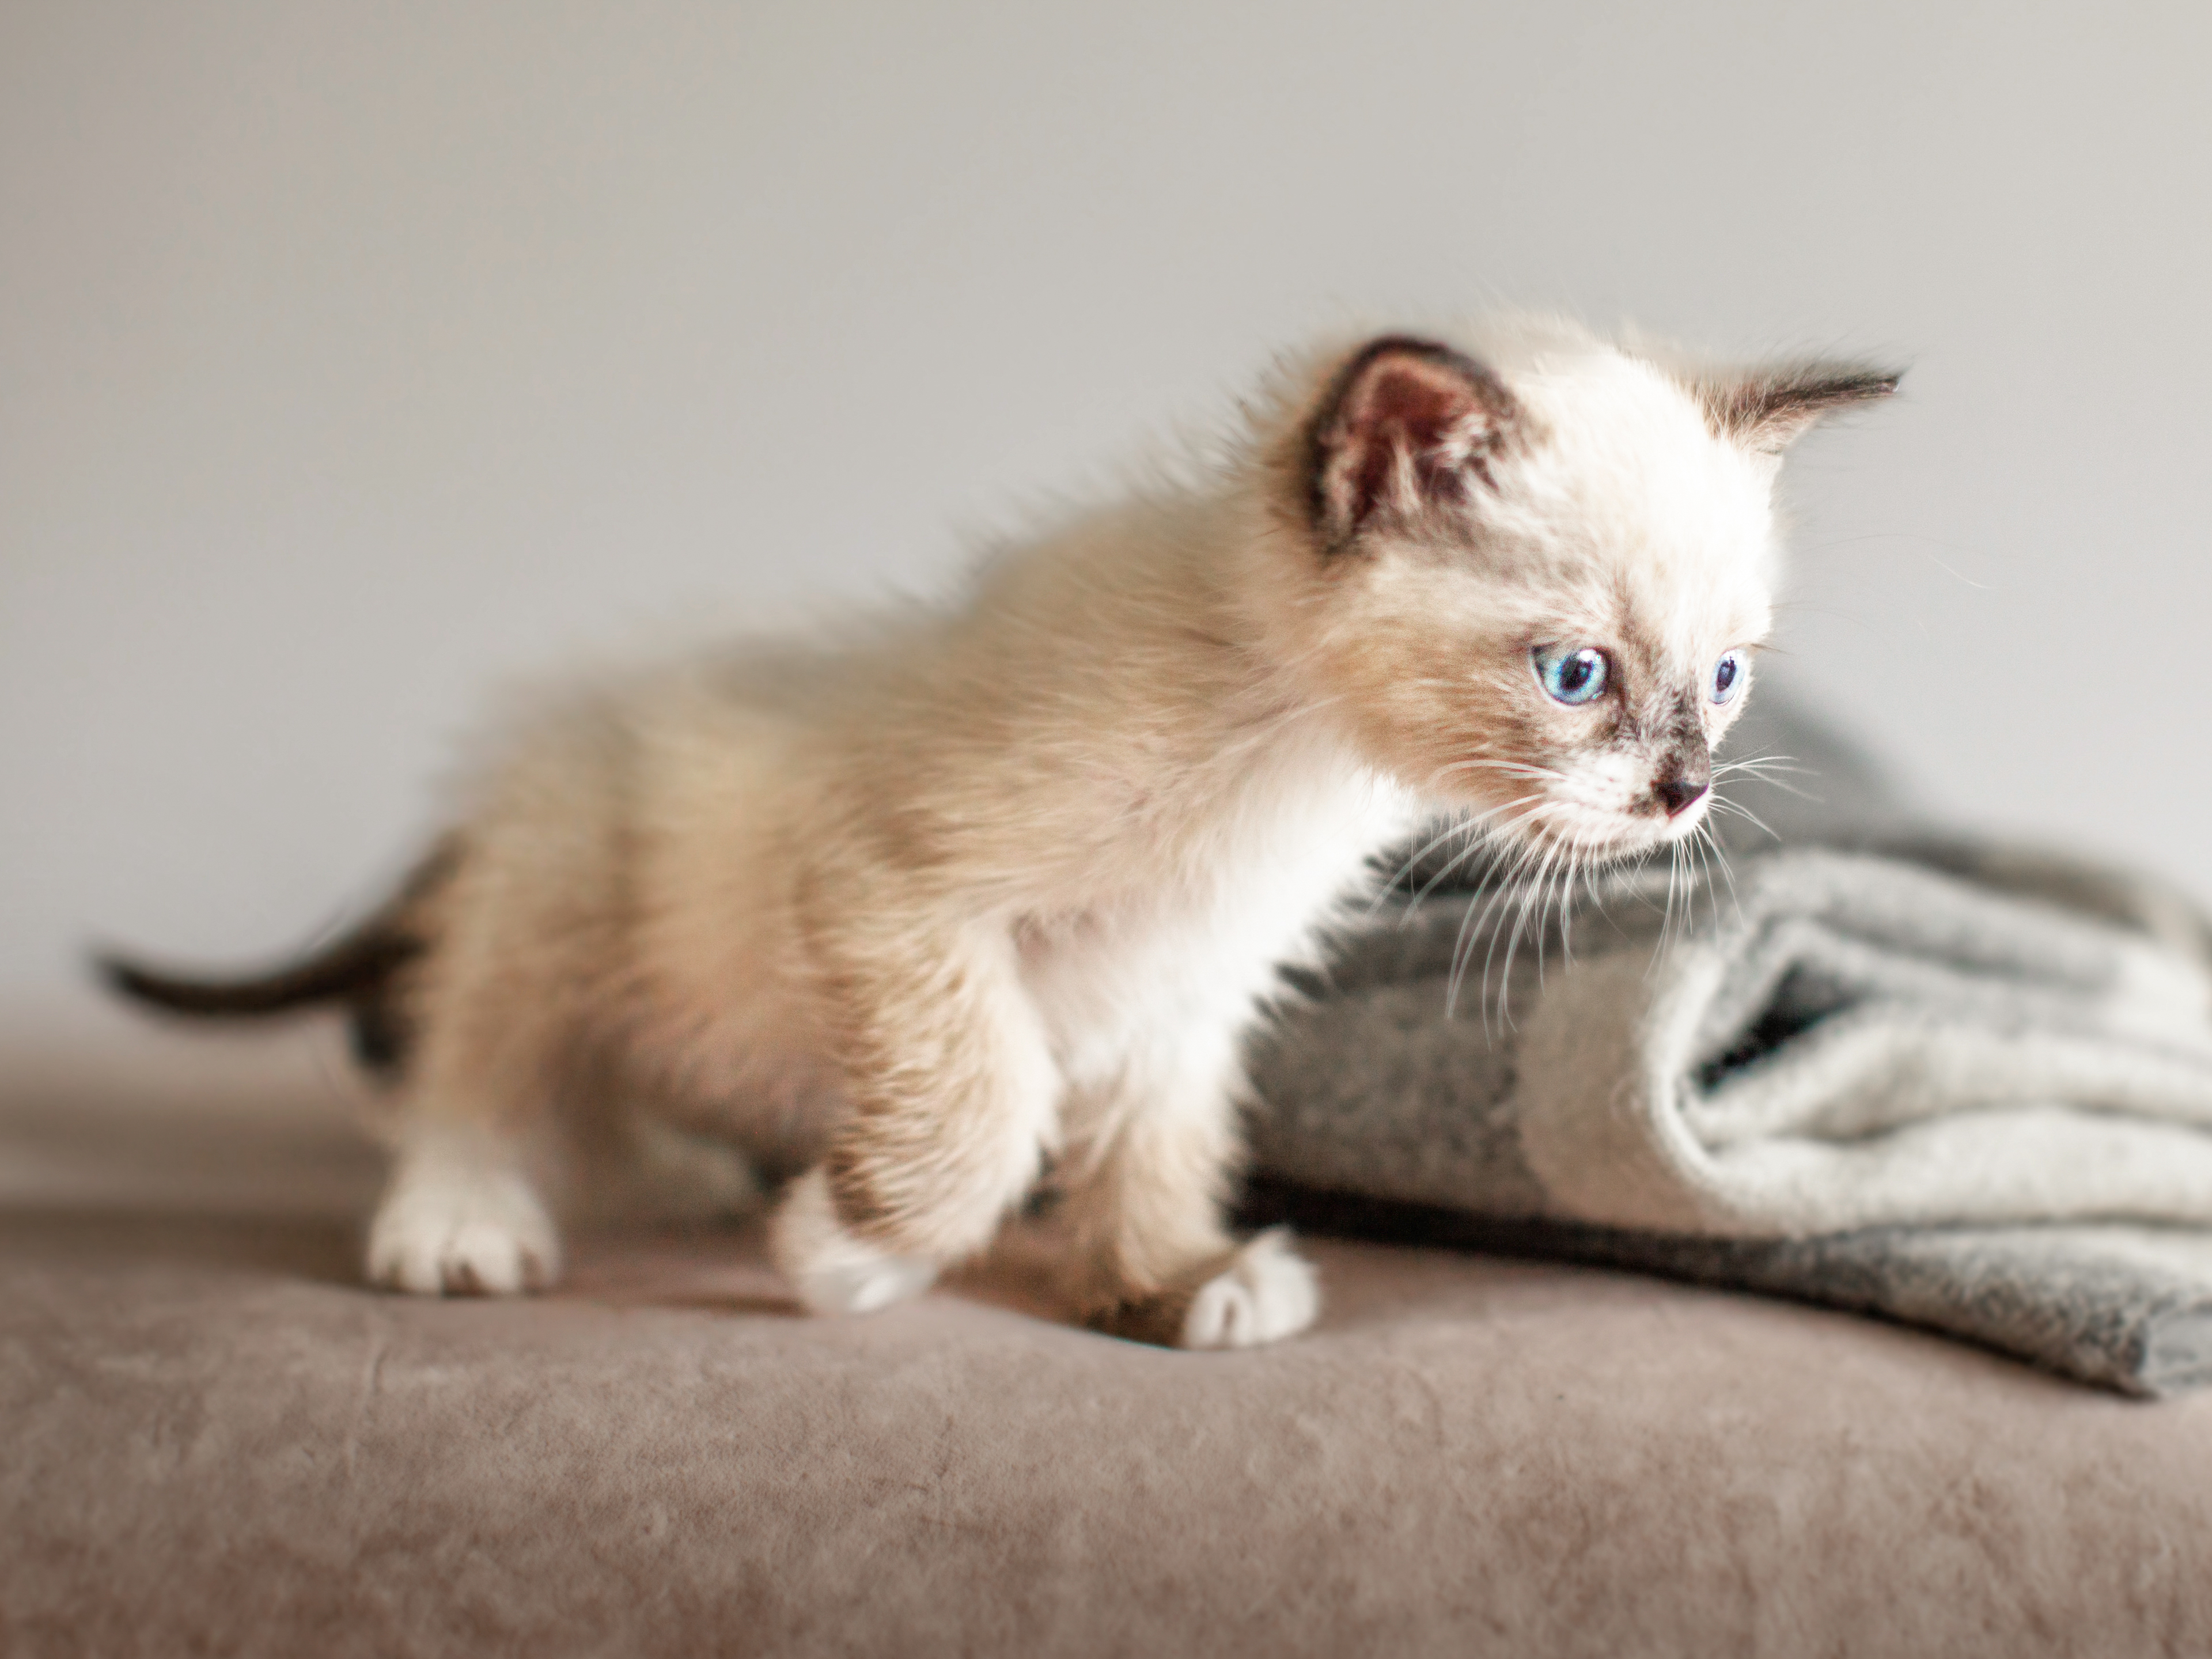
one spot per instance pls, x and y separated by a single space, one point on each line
357 357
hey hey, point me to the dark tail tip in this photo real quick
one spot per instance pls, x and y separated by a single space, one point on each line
178 993
127 979
348 969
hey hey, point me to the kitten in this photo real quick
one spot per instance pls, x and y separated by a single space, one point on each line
921 910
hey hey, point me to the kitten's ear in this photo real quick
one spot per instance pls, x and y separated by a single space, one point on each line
1406 425
1769 410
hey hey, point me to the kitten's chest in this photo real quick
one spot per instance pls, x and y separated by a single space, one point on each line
1206 937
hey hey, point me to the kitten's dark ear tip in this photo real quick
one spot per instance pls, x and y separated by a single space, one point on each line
1872 383
1769 410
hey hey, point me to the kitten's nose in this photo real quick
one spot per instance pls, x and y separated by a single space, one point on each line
1684 774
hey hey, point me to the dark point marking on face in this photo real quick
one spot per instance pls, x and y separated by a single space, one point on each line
1768 410
1408 425
1685 722
1684 770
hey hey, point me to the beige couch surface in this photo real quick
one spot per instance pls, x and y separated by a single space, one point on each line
217 1441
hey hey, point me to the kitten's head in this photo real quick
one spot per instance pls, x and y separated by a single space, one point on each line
1532 578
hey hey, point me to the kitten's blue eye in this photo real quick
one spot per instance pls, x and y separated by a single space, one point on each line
1572 674
1728 674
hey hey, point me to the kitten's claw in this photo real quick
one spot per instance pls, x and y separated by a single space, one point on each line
1267 1293
455 1231
832 1271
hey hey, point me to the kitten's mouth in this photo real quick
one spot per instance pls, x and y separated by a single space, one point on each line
1602 834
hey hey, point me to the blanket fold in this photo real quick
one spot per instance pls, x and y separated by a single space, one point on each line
1950 1083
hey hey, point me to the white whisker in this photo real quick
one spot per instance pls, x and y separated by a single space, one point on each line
1742 811
1481 905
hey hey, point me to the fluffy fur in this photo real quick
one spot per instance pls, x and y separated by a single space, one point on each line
924 912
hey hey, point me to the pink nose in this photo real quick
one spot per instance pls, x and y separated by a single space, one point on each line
1680 792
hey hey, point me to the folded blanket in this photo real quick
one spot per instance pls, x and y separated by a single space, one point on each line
1950 1083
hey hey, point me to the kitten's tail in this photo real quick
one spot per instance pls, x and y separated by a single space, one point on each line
361 968
359 962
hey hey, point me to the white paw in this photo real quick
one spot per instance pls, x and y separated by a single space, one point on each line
832 1271
1267 1292
859 1287
453 1230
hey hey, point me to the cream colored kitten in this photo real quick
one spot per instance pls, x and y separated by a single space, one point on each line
919 911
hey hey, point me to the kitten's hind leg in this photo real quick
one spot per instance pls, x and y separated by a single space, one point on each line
462 1214
524 945
462 1217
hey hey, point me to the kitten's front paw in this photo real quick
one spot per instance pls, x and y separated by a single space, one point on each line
832 1271
447 1231
859 1287
1267 1293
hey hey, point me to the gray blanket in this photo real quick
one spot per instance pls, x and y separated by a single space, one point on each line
1947 1081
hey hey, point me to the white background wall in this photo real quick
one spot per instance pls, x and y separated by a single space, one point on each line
354 356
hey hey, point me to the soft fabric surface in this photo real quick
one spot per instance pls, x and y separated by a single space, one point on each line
2125 1307
219 1443
1837 1041
1894 1075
